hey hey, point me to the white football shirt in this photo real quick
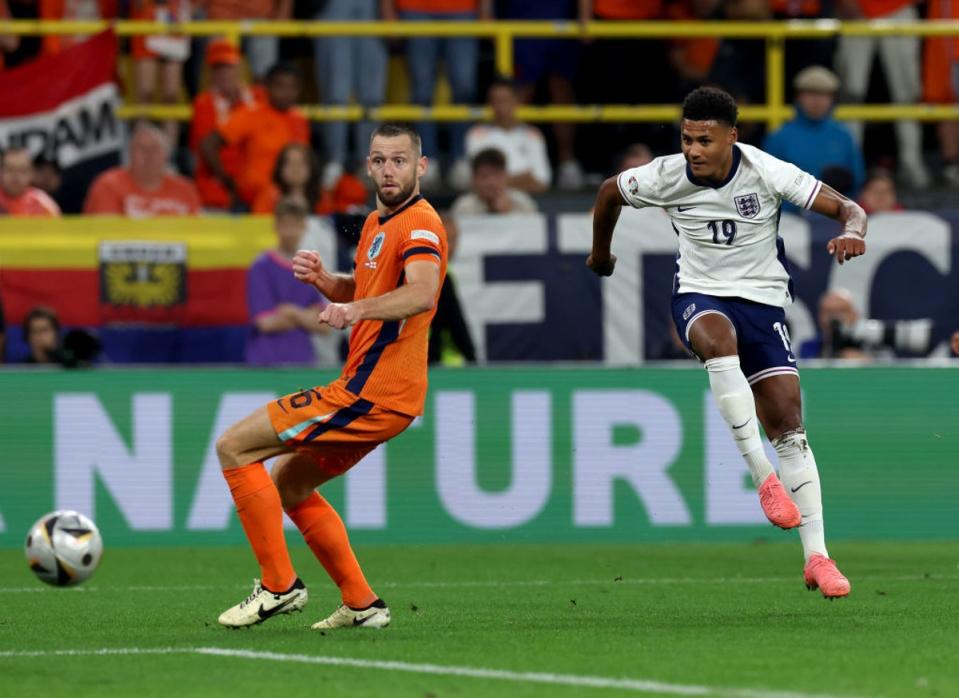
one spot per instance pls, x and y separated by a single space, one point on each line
729 242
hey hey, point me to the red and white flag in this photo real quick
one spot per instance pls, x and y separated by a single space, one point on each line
64 107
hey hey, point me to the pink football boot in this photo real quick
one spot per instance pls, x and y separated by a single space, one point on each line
777 505
821 573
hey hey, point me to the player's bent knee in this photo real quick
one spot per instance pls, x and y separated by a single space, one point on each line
713 349
227 450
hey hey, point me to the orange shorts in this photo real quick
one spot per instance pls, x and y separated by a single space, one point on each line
333 425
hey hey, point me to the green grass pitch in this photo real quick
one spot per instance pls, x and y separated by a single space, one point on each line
498 620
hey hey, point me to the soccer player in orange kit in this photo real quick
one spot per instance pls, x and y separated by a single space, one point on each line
319 433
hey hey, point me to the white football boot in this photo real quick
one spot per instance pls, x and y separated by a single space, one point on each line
262 604
376 615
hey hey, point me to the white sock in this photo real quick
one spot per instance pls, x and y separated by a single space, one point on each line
734 398
800 477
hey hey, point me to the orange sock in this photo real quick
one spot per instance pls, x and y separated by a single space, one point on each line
325 533
258 504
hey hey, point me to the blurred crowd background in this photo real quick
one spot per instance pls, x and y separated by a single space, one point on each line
248 148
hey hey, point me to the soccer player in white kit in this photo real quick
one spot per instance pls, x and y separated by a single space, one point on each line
732 283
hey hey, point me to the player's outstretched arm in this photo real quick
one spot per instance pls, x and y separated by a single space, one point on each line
609 203
417 295
308 268
850 243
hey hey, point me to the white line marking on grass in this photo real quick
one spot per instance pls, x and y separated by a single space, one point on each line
100 652
625 684
487 583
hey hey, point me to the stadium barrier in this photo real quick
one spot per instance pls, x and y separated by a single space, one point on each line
538 454
522 281
503 33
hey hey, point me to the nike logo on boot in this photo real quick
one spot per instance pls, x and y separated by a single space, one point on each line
263 614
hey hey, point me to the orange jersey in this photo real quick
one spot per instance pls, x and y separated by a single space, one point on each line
387 360
115 192
32 202
210 110
261 132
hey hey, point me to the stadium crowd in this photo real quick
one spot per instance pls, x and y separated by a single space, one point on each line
244 97
249 149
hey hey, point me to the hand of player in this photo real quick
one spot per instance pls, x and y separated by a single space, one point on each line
601 265
339 315
307 266
846 246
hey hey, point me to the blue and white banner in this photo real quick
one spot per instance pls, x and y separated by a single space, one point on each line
528 296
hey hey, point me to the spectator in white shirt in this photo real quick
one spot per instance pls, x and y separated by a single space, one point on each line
491 191
527 163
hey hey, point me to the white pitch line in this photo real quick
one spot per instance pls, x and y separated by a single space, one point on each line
100 652
481 584
624 684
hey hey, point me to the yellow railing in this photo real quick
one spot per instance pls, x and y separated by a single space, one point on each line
775 34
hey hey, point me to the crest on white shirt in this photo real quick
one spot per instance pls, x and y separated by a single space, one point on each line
747 205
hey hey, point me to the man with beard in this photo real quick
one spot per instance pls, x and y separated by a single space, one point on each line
320 433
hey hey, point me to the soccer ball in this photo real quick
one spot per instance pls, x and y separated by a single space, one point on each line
64 548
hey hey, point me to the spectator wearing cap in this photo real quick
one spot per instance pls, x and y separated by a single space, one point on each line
814 141
17 196
146 187
260 131
226 95
491 192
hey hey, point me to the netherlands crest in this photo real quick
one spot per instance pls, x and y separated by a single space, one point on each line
376 246
748 205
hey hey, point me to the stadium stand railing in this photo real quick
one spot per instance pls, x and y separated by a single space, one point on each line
502 33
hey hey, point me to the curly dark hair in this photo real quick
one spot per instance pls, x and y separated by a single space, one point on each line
312 161
710 104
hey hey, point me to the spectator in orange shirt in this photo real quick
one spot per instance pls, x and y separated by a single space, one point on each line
261 131
17 197
146 188
297 175
211 109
